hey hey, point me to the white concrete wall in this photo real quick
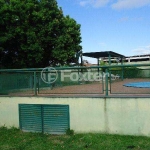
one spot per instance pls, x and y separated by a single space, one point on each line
130 116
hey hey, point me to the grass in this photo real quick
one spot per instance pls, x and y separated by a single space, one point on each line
14 139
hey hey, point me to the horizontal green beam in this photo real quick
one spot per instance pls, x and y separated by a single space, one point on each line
68 68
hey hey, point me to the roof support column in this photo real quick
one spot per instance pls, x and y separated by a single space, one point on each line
122 73
109 59
98 65
81 59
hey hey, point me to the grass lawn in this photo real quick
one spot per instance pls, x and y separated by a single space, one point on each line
14 139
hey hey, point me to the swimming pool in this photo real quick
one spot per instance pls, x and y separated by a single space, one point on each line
138 84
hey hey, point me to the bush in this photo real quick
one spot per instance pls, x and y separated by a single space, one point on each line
128 72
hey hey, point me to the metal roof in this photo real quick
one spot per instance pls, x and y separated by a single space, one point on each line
102 54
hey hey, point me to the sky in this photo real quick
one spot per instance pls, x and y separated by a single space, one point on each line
122 26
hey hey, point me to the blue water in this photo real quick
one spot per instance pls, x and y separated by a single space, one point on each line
138 84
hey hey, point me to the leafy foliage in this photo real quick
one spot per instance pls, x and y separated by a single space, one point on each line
128 72
35 33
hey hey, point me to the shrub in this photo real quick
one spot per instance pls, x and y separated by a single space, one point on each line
128 72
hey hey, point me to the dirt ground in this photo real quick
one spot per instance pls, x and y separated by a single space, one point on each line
91 89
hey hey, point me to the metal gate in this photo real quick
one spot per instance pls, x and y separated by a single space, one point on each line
53 119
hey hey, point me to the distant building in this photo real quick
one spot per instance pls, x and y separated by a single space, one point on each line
138 58
131 59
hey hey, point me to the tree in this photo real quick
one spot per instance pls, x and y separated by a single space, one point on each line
68 41
35 33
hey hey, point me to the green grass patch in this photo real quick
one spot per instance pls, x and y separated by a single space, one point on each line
14 139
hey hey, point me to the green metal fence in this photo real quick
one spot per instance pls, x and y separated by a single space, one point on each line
130 74
69 81
15 81
94 80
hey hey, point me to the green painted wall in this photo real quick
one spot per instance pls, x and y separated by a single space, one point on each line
129 116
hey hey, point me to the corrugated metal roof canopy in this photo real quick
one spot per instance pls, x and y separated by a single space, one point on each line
102 54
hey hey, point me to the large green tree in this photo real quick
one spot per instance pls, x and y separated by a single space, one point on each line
35 33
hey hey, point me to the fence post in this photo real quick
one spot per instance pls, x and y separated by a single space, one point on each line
106 82
38 83
35 84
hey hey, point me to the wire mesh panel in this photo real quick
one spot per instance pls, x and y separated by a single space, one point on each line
81 81
71 81
16 83
121 77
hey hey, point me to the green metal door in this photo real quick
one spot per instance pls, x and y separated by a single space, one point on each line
53 119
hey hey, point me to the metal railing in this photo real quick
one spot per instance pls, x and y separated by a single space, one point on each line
82 81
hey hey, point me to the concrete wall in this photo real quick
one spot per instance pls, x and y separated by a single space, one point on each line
130 116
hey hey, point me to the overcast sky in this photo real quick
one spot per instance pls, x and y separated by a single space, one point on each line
122 26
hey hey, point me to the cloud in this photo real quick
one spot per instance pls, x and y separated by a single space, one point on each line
83 3
116 4
94 3
142 50
102 44
124 19
128 4
138 19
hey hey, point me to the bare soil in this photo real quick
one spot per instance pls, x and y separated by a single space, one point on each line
91 89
